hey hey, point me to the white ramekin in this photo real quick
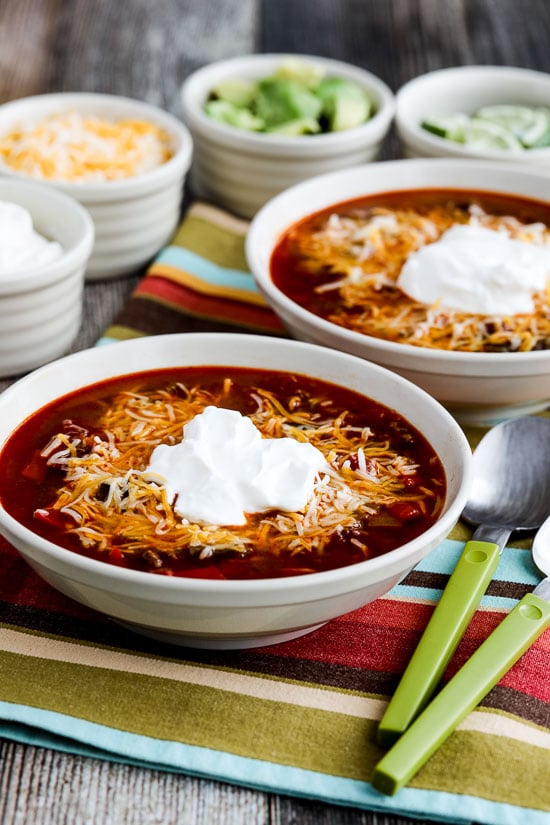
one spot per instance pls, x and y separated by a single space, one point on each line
133 217
41 308
241 170
466 89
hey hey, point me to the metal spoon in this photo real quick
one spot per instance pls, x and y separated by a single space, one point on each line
514 635
510 492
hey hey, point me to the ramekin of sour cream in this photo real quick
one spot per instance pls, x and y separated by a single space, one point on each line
46 238
22 248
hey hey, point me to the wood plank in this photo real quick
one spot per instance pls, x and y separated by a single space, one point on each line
51 788
27 34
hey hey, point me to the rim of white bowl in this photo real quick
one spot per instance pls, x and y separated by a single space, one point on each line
410 129
33 278
490 363
126 188
195 89
282 588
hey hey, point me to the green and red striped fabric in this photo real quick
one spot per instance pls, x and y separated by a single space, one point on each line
200 283
296 718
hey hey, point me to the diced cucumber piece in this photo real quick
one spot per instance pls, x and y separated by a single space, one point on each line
527 123
450 127
484 135
543 141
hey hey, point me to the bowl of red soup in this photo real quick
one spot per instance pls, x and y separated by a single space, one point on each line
437 269
220 490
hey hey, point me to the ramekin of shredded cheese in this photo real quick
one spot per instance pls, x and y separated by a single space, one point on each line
71 146
123 159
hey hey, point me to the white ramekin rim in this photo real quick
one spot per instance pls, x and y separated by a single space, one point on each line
72 258
108 191
196 87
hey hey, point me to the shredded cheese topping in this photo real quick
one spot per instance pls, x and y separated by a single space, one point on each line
74 147
113 500
365 254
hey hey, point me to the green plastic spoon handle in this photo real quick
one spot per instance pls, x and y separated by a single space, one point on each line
457 605
462 693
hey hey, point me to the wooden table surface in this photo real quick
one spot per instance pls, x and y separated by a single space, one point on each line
145 49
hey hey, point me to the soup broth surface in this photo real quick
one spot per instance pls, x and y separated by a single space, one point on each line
75 473
343 263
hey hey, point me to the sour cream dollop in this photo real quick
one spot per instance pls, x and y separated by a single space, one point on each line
223 468
21 247
477 270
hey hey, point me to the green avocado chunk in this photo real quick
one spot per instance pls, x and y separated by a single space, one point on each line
297 99
238 92
225 112
281 100
300 126
304 72
345 104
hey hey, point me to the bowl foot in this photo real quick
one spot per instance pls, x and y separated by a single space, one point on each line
215 642
483 416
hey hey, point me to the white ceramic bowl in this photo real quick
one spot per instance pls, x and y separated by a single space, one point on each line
466 89
479 388
41 307
242 170
232 614
133 217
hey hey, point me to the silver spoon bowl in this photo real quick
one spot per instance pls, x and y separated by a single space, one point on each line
511 476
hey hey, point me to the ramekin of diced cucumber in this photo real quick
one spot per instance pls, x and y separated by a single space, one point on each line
507 127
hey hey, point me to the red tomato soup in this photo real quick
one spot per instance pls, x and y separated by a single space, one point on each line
75 473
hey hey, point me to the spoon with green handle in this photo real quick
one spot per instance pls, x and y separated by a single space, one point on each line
510 492
518 630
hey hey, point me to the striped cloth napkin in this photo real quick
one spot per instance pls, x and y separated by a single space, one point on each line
198 284
297 718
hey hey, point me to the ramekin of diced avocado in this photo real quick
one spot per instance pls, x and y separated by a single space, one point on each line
263 122
507 127
298 98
